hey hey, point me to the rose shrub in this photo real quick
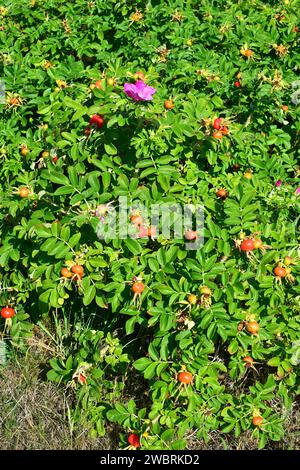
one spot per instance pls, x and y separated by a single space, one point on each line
201 312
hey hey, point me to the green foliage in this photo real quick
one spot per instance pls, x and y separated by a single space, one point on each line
123 354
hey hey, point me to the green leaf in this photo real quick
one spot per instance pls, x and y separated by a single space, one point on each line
133 246
110 149
74 104
45 110
58 178
74 240
42 232
149 372
274 362
53 376
89 295
142 363
64 190
228 428
233 347
153 265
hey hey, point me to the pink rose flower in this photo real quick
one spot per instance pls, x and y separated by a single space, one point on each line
278 183
139 91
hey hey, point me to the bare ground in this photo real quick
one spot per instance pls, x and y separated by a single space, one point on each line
34 415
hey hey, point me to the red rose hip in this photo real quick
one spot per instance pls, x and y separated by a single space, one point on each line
138 288
185 377
190 235
97 120
217 124
7 312
247 245
134 440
